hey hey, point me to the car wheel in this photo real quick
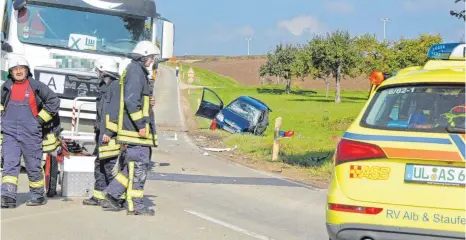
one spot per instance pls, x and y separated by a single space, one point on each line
51 175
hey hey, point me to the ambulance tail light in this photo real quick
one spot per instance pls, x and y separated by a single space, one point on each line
354 209
348 150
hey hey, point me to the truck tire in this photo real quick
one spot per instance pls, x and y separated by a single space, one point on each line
51 175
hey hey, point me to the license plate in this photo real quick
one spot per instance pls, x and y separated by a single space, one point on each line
229 129
56 82
435 175
81 89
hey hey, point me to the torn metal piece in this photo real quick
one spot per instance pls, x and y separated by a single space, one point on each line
221 149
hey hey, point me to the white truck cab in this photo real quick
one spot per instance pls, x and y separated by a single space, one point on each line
62 38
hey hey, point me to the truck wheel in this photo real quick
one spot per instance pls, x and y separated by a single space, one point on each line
51 175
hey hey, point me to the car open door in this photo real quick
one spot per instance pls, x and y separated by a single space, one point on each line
211 104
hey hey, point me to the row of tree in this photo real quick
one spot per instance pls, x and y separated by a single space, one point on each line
337 55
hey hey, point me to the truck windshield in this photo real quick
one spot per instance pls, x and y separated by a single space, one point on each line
80 30
428 108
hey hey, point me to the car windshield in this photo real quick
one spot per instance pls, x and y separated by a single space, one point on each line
80 30
245 110
417 108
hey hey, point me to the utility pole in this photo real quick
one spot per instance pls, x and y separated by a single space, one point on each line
248 39
384 22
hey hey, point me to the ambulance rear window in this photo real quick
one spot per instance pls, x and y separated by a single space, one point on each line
428 108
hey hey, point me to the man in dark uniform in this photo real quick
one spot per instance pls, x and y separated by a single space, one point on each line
27 106
136 131
107 151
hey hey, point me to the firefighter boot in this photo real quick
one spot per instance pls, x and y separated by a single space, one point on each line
142 212
8 202
91 201
110 202
36 201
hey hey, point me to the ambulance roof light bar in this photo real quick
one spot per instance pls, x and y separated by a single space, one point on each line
447 51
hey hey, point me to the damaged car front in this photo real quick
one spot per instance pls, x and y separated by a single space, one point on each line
245 114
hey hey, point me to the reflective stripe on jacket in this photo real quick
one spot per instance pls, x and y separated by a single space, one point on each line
48 105
133 111
108 100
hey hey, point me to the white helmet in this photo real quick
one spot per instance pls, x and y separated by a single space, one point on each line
146 48
15 60
106 64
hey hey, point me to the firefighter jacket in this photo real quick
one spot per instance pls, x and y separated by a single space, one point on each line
48 105
110 97
133 111
99 105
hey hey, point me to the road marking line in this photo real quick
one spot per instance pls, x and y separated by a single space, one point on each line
227 225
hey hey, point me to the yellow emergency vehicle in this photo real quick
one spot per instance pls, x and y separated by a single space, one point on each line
399 169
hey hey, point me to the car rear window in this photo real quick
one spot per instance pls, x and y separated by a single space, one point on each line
428 108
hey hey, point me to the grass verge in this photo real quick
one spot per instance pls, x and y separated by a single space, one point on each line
316 120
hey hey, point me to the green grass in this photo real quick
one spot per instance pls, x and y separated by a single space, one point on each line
313 117
205 77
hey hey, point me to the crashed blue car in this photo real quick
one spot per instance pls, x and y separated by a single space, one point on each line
245 114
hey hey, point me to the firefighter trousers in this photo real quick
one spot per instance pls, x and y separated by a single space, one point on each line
132 178
22 135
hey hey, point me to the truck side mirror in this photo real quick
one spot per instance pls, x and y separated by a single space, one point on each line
168 40
19 4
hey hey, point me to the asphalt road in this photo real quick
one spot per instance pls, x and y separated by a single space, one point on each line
194 196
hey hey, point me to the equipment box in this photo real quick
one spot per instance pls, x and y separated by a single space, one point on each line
78 176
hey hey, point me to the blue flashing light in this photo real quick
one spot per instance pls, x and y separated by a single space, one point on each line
442 51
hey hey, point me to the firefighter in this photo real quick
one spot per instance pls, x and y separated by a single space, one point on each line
106 150
27 106
136 131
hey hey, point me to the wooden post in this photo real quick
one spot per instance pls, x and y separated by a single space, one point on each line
190 79
276 139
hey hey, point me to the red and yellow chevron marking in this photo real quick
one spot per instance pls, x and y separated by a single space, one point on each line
354 171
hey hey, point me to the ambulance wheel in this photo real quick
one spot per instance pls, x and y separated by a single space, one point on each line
51 175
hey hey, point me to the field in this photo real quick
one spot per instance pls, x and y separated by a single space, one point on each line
246 71
317 121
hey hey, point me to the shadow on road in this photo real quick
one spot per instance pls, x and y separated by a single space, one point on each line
187 178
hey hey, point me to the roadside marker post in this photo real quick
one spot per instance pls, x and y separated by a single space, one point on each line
276 139
190 79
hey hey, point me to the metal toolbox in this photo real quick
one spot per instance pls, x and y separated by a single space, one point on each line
78 176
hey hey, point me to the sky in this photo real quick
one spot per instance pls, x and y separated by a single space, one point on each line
208 27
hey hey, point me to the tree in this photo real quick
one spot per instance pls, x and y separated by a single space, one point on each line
318 65
340 57
263 71
460 14
413 52
280 63
301 66
285 57
270 67
376 55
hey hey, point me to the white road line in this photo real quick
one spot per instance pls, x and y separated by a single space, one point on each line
227 225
